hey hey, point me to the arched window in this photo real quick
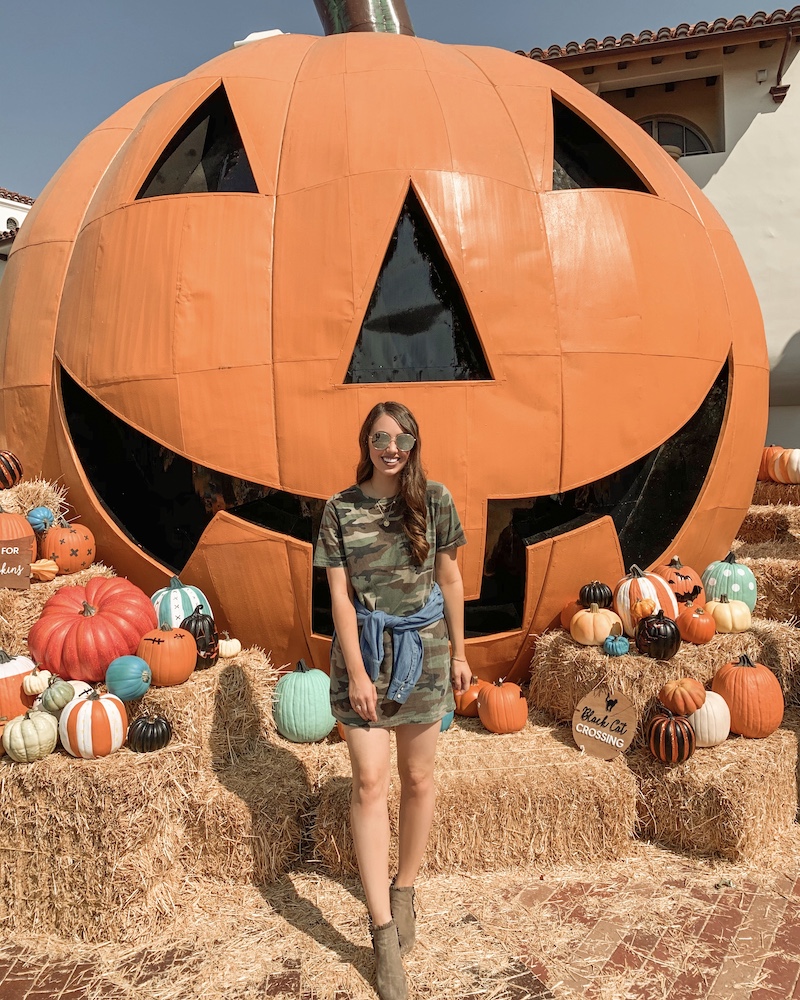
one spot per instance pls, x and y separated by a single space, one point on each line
676 136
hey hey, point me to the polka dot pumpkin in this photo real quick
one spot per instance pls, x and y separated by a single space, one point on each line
731 579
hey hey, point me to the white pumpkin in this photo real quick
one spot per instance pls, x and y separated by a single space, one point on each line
712 721
36 681
229 647
30 737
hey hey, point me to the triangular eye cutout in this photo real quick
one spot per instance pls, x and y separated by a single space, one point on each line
417 326
582 158
206 154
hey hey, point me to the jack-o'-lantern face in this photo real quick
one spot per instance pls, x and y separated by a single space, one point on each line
305 226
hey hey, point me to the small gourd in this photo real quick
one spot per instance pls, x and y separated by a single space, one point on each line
596 593
228 647
682 696
44 570
616 645
40 519
148 733
56 696
129 677
36 681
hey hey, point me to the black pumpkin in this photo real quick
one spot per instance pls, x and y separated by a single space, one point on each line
204 630
596 593
671 738
148 733
658 636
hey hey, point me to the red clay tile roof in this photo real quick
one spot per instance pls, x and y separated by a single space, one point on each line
23 199
722 25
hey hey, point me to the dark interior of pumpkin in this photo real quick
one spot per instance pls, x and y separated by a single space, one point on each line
164 502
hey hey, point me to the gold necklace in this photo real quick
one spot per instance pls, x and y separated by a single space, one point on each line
386 508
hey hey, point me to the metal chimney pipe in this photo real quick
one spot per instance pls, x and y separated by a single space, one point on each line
388 16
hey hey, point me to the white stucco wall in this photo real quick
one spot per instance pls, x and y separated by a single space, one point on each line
754 185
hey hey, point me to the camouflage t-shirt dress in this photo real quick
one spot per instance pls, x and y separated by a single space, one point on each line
377 556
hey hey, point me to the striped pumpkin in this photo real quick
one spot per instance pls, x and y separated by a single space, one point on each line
93 726
638 586
10 470
671 738
177 601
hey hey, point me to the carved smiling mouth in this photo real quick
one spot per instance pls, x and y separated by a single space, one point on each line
163 502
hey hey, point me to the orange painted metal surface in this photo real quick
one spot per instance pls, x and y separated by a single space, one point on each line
222 325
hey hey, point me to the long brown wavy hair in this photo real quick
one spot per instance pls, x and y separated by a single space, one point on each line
413 481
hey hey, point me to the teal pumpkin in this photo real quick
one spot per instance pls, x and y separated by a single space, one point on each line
177 601
447 721
616 645
128 677
40 519
302 705
732 580
56 695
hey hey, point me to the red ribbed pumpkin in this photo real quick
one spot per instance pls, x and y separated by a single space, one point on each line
82 629
502 707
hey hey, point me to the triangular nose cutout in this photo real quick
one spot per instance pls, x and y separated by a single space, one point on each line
417 326
205 155
583 158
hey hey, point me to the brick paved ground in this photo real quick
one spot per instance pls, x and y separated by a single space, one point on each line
738 941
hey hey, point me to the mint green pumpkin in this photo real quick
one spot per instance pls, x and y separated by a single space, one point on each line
302 705
731 579
177 601
56 695
447 721
128 677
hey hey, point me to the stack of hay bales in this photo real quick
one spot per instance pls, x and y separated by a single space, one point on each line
769 543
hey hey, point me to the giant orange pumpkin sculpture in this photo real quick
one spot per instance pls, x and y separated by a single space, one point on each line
226 275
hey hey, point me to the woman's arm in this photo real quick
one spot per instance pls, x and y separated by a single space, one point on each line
448 576
362 692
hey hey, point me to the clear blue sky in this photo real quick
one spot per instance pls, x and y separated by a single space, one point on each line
68 64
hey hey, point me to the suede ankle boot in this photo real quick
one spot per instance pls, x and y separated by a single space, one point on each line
390 976
404 915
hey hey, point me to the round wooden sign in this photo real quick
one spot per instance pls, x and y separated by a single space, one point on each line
604 723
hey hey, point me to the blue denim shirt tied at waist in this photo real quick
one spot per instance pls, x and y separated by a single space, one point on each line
406 642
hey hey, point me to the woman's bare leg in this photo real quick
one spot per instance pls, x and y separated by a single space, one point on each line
416 754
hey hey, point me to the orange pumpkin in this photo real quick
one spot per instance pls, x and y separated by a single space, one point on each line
502 707
568 612
171 654
69 546
682 696
370 141
696 625
685 582
754 696
593 625
467 701
768 457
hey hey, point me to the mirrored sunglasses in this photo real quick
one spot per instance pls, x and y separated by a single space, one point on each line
381 440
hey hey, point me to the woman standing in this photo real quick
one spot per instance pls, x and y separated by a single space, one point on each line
389 547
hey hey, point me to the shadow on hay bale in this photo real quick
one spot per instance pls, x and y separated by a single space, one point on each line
734 800
101 849
563 672
522 799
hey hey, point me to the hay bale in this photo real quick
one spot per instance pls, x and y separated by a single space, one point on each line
776 493
528 798
718 802
101 849
20 609
777 576
772 523
225 711
563 672
30 493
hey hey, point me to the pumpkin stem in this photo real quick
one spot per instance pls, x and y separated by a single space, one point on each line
302 667
635 571
723 599
745 661
4 657
165 627
676 563
594 608
386 16
730 558
175 584
88 610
